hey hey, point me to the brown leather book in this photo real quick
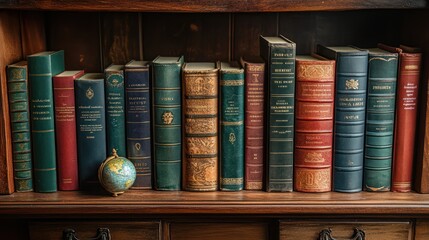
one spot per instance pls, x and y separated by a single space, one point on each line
314 123
254 70
406 113
200 109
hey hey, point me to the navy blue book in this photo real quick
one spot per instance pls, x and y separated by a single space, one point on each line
350 104
137 100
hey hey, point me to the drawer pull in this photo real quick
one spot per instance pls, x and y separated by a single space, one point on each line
326 234
102 234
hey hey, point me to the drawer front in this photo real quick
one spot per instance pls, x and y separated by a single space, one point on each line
422 229
219 231
345 230
88 230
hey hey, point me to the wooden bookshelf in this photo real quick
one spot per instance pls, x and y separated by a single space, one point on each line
97 33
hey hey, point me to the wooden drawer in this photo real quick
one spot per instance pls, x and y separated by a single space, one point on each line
345 230
88 230
219 231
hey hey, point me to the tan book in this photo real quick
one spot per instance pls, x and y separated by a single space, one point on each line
200 110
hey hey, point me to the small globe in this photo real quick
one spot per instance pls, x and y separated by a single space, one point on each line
117 174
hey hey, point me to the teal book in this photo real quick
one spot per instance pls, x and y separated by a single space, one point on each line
231 126
41 68
167 122
115 109
380 116
137 84
91 127
349 125
279 54
20 124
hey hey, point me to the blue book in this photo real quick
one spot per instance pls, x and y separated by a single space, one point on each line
138 128
349 124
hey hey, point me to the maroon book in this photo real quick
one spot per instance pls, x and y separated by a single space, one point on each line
314 118
254 70
65 129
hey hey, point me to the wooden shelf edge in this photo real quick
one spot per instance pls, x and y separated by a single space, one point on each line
209 5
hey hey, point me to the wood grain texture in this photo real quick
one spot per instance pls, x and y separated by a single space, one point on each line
219 231
210 6
120 38
344 230
217 203
422 230
33 32
78 35
246 30
10 52
88 230
199 37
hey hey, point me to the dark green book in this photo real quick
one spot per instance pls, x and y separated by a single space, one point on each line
231 126
380 116
167 122
115 109
279 54
91 127
41 67
20 124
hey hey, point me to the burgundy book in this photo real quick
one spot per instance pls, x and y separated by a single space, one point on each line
406 114
314 123
254 70
65 129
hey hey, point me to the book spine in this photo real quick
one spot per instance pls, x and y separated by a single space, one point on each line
200 109
20 125
115 112
254 126
380 113
41 69
232 130
350 105
167 126
65 129
406 114
314 125
91 130
138 125
280 122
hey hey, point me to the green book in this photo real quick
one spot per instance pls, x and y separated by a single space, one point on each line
231 126
41 67
115 109
167 121
20 124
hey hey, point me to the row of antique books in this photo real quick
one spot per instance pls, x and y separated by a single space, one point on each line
340 120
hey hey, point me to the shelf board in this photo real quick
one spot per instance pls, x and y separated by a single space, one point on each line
209 5
215 203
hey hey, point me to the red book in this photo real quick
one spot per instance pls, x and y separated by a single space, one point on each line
254 70
314 123
406 114
65 129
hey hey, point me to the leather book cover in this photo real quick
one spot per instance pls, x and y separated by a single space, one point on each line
167 122
17 83
254 122
314 119
65 129
231 77
380 114
91 127
41 67
137 102
279 54
349 123
409 71
200 137
115 109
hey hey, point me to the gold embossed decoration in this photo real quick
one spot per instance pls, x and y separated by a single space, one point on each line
315 71
89 93
232 138
167 117
314 157
138 146
352 84
17 74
